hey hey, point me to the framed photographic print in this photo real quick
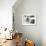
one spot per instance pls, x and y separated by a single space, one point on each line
29 19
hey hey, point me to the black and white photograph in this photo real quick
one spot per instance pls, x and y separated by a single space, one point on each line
29 19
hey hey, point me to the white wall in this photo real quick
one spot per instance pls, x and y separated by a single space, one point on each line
43 22
37 32
6 13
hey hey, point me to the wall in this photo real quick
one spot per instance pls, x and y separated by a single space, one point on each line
6 13
43 22
37 32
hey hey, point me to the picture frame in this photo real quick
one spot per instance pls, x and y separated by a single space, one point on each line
29 19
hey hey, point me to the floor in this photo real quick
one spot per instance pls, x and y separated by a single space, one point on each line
8 43
15 41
